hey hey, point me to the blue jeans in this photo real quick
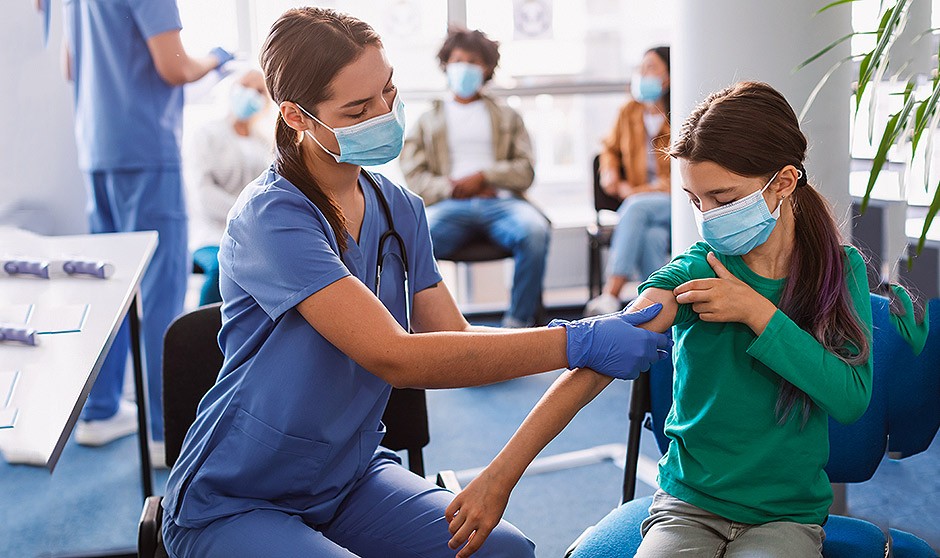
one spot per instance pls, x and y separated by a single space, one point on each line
141 200
390 513
640 243
511 223
207 258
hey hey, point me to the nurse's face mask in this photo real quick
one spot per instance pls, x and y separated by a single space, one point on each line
738 227
375 141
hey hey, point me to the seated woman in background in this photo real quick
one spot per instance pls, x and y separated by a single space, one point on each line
634 169
226 154
773 331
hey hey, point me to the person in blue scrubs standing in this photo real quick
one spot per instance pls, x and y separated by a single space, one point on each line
128 66
284 457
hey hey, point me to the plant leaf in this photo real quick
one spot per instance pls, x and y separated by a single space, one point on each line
931 213
822 81
887 140
829 47
833 4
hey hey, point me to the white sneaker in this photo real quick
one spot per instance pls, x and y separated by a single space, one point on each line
158 455
101 432
606 303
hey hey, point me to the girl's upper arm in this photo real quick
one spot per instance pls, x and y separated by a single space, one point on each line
666 317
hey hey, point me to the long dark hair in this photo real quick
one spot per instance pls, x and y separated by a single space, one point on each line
304 51
751 130
663 53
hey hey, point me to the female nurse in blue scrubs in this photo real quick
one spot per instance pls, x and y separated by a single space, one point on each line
284 457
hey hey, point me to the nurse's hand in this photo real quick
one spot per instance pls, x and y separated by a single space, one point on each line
612 344
726 299
475 512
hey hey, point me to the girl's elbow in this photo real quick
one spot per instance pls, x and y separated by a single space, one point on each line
854 409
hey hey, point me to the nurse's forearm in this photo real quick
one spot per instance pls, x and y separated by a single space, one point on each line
449 360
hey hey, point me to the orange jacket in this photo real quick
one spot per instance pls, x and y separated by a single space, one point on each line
626 148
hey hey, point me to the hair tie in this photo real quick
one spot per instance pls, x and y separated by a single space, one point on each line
801 179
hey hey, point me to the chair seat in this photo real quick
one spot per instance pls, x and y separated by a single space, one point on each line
600 234
618 535
482 250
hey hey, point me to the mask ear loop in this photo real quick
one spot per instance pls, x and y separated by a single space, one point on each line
314 138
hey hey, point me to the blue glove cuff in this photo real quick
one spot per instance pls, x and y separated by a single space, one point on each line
578 341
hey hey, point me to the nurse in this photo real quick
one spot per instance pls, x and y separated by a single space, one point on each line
127 65
284 458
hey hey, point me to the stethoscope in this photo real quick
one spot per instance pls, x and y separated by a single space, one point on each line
390 234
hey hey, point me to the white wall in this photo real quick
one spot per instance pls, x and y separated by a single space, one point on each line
42 189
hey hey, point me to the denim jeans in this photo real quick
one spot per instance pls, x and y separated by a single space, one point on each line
511 223
640 243
675 526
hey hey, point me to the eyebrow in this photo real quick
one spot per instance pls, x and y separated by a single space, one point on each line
714 192
351 104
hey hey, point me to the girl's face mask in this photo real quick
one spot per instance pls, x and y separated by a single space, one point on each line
738 227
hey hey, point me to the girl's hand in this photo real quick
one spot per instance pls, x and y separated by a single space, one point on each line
475 512
726 299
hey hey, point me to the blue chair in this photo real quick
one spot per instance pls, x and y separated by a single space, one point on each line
855 452
913 409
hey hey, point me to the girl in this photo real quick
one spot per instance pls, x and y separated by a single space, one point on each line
283 458
772 323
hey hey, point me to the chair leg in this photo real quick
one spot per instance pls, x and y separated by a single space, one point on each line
639 406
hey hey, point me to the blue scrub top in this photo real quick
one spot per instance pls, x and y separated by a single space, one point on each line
126 116
292 422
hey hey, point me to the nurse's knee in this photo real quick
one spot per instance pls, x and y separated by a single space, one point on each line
507 542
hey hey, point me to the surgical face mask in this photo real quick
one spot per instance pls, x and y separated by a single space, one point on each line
740 226
464 79
245 102
375 141
646 89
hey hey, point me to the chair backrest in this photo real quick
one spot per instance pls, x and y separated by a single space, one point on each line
855 450
192 360
913 393
602 200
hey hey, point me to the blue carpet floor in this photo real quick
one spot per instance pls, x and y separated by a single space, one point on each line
92 500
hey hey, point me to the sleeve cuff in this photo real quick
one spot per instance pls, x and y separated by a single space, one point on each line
766 340
301 295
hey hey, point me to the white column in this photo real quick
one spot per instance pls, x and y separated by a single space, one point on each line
720 42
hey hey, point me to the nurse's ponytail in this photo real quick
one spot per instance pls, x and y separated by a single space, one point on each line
751 130
304 51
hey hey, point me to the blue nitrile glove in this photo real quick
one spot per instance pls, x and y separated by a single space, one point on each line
613 345
223 56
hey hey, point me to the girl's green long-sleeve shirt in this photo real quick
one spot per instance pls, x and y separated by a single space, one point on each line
727 453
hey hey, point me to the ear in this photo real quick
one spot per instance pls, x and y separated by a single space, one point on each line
294 117
786 181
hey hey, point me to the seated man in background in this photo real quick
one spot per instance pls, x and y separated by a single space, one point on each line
470 159
226 154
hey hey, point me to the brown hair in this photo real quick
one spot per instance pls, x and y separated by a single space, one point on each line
751 130
472 41
304 51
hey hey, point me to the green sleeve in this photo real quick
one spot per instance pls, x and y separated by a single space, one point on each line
840 389
914 333
692 264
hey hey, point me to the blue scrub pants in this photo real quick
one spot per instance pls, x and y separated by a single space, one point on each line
390 513
141 200
511 223
640 242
